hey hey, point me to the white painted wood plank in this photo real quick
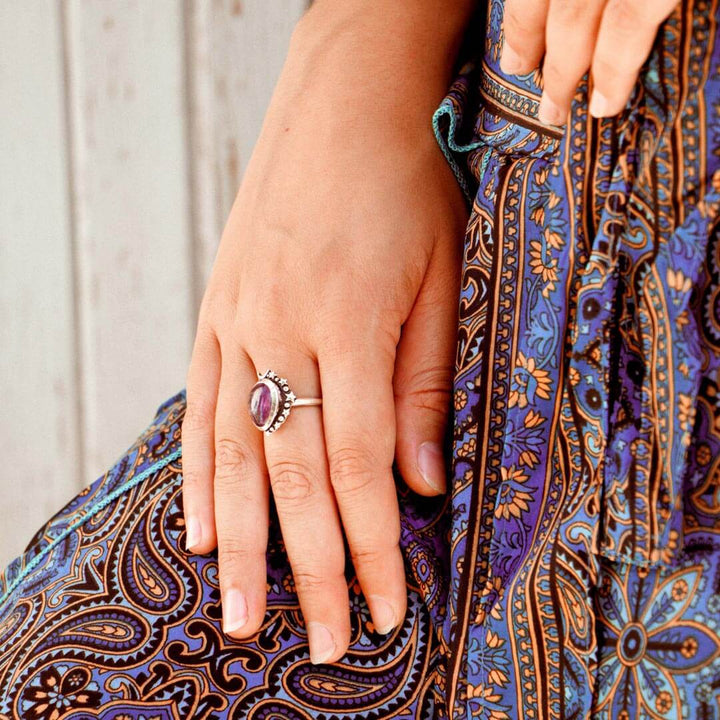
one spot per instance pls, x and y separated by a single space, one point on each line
40 469
236 50
139 274
128 105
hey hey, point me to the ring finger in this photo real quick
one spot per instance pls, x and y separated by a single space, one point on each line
572 26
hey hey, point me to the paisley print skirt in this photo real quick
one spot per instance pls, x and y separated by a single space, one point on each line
573 570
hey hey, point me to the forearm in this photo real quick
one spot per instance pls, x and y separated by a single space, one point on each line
416 38
359 78
372 58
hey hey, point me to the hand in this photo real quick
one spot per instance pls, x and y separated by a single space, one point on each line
339 269
611 38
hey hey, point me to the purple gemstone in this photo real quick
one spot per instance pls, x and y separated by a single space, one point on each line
260 404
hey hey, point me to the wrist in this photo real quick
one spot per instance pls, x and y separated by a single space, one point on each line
416 42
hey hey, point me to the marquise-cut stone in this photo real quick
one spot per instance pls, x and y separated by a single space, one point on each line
260 404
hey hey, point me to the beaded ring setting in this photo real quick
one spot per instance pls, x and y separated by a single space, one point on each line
270 401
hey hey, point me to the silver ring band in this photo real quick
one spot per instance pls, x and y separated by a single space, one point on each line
307 401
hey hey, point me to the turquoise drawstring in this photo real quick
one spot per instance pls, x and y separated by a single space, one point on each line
99 505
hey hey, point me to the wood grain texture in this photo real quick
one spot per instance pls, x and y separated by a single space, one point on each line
39 439
124 132
128 108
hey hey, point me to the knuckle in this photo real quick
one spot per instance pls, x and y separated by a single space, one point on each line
429 388
572 12
433 400
232 460
337 346
612 75
516 22
205 332
626 14
309 580
554 76
199 415
193 476
220 297
290 479
603 67
375 556
233 552
353 469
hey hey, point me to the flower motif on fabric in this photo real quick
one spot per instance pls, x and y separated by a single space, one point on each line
544 265
514 498
57 690
679 285
546 210
525 440
484 703
686 415
648 640
528 382
460 399
487 658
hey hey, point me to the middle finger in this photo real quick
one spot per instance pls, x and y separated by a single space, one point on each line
241 498
572 27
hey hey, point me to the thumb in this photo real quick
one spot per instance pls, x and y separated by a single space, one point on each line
424 370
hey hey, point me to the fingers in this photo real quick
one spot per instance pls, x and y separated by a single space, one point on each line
625 38
359 419
424 372
296 461
524 35
572 27
612 39
198 442
241 499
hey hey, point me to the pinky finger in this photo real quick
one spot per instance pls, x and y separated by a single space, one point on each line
627 32
198 443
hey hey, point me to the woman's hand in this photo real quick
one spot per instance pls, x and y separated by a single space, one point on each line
611 38
347 229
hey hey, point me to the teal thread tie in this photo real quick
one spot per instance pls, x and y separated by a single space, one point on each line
94 509
450 146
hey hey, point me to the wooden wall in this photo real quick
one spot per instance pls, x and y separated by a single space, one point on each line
125 126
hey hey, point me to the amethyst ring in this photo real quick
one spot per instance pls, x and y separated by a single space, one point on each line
270 401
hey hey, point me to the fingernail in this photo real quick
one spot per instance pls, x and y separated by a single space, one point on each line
234 609
431 464
550 113
384 617
599 105
510 62
322 643
193 533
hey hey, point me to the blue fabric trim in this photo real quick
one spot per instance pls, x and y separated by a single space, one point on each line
449 146
94 509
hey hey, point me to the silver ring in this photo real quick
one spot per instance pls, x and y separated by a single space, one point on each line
270 401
